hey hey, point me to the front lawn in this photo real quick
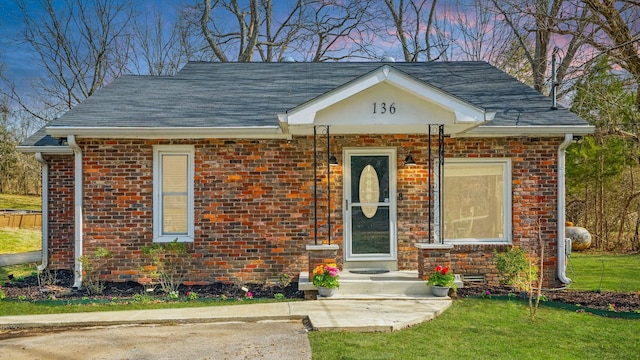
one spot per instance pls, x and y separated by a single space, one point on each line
490 329
604 272
15 240
20 202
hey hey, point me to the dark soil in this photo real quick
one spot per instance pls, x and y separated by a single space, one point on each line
28 288
621 302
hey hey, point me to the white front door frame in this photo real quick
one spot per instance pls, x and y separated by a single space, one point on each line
389 201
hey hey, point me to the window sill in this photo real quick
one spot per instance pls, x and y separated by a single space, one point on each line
167 239
433 246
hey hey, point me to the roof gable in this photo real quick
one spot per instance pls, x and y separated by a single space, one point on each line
385 100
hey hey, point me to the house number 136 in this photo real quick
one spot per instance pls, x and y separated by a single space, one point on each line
383 108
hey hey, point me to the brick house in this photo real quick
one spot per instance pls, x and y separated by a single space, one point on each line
435 163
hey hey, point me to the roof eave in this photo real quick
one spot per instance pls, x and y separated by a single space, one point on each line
46 149
529 130
252 132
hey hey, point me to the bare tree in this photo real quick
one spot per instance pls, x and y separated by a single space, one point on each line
7 155
309 30
81 46
279 32
333 30
244 38
19 173
158 51
616 32
414 23
533 24
481 35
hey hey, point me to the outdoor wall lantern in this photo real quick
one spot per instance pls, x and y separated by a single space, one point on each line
333 161
408 161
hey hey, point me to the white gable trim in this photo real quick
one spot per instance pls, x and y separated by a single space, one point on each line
464 112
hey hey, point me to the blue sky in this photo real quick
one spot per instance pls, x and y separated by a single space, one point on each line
19 62
16 60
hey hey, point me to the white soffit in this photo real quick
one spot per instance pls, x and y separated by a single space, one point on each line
421 103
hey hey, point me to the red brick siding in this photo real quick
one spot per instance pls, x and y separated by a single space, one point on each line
534 198
61 210
254 201
252 207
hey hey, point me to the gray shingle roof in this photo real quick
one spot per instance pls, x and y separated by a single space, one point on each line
251 94
40 138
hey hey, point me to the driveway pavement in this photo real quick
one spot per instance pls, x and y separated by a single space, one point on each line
256 331
278 340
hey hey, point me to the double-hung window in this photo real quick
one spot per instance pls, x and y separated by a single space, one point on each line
477 200
173 193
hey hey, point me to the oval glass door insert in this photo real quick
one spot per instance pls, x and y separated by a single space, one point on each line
369 190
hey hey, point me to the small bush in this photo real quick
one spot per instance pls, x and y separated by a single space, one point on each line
512 265
92 266
169 266
47 277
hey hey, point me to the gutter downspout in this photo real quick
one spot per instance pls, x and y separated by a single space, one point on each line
45 212
562 256
77 205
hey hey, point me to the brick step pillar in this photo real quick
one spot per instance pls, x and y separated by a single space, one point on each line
319 254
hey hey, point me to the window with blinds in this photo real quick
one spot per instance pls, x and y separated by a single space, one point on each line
477 200
173 193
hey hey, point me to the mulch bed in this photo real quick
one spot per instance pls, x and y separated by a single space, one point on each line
29 289
621 302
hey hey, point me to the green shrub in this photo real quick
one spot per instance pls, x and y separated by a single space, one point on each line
512 265
169 264
92 266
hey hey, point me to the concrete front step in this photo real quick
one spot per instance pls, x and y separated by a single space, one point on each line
401 285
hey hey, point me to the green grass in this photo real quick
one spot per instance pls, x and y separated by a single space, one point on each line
490 329
605 272
35 308
14 240
20 202
18 271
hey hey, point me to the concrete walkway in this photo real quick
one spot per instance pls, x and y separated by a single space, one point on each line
366 315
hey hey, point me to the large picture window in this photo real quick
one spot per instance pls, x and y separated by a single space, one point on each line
477 200
173 193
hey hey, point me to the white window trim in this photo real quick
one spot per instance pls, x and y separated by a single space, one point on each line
159 150
508 211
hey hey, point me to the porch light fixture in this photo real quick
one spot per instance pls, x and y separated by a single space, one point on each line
333 161
408 161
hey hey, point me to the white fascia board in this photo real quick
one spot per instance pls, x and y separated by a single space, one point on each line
464 111
547 131
305 113
249 132
47 150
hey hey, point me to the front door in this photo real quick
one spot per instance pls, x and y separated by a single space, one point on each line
370 206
